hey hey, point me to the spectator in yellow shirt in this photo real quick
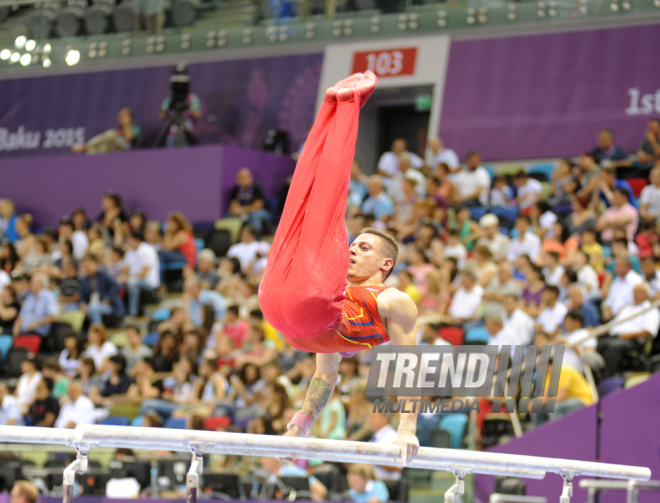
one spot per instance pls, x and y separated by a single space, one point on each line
270 333
406 285
592 248
573 393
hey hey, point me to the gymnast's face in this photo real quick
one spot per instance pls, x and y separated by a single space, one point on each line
365 258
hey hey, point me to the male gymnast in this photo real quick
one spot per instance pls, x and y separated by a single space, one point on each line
323 296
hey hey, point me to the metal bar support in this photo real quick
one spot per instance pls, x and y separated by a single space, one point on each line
455 493
632 488
192 478
591 495
567 490
79 465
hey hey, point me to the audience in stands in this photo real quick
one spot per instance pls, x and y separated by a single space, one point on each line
143 266
388 164
124 137
620 214
649 200
378 203
573 393
249 251
648 151
637 325
383 433
619 293
364 487
525 243
277 467
39 309
8 219
473 181
563 183
78 410
45 408
195 297
443 155
10 411
99 293
528 190
9 308
178 243
607 149
247 201
516 320
537 259
501 333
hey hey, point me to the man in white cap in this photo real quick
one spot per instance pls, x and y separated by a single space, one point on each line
497 243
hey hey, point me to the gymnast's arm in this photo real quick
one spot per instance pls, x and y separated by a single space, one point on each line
401 320
319 392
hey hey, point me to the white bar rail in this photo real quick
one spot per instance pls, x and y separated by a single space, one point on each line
514 498
343 450
459 462
632 488
90 436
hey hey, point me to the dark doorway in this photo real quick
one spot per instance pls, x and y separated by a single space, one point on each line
403 121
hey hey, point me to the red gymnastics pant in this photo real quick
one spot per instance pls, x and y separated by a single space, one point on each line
302 291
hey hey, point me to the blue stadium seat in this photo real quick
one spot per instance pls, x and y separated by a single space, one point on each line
177 423
173 266
634 263
200 244
6 342
271 204
476 212
151 339
506 214
478 334
203 225
137 421
455 424
161 314
546 169
115 421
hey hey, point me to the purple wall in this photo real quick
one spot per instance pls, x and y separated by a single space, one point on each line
548 95
574 438
628 435
630 432
195 181
241 100
5 498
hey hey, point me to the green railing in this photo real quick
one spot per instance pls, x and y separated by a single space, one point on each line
220 27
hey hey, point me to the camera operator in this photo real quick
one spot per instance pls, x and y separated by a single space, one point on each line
180 109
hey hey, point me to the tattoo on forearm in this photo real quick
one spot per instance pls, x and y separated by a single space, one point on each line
317 397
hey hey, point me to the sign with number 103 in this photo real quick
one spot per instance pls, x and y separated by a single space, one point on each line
386 63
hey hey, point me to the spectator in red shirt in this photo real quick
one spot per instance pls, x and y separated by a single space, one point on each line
234 327
226 355
178 241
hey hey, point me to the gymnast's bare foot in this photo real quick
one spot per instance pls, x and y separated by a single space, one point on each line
348 82
362 84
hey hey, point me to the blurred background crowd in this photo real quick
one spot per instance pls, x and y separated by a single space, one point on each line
118 319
